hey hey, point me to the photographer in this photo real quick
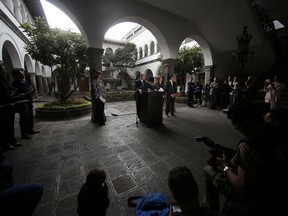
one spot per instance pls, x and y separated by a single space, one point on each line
253 168
185 191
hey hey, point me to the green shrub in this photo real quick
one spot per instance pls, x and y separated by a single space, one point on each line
67 105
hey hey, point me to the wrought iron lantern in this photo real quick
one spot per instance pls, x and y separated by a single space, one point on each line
243 54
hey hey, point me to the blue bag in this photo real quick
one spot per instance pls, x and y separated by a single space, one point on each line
153 204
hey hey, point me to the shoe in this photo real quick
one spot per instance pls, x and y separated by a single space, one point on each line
167 116
173 115
101 124
25 136
16 145
33 132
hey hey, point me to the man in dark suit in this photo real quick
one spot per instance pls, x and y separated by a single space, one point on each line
171 90
26 116
141 85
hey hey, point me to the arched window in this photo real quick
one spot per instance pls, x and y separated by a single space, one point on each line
140 53
145 50
108 51
152 48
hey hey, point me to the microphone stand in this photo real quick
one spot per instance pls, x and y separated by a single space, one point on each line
136 95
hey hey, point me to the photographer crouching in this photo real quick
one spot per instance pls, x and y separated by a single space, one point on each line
252 179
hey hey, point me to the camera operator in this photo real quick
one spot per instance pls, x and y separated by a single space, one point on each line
252 170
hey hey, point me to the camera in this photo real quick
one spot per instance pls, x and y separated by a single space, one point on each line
175 208
216 150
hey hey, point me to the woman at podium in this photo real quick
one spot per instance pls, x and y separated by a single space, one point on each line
160 85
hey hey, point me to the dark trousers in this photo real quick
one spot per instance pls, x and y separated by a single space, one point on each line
7 136
190 100
26 120
137 100
170 105
99 105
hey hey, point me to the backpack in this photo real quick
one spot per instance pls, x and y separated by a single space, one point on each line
152 204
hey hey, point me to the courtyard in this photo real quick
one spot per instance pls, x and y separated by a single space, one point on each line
135 158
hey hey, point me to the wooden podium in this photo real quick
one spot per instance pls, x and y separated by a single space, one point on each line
151 108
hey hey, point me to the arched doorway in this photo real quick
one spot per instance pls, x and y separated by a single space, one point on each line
149 75
11 58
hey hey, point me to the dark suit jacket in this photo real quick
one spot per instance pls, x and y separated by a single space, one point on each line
144 86
169 89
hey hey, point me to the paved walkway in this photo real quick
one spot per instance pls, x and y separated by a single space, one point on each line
136 159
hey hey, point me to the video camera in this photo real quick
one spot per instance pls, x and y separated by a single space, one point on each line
216 150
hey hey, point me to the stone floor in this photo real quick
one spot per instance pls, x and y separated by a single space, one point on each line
136 159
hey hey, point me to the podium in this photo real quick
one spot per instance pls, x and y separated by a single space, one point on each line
151 108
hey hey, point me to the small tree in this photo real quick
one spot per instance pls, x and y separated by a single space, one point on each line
122 59
58 48
188 60
161 66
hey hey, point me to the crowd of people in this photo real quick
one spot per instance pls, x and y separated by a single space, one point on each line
253 181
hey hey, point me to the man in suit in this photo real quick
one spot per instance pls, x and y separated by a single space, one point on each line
171 90
141 85
26 116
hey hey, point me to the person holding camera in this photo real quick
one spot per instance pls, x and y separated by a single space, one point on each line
253 169
185 191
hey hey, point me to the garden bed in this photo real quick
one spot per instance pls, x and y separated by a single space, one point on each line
56 110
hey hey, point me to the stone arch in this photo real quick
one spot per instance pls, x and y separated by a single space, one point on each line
39 83
137 75
65 10
149 75
162 42
9 47
43 71
152 47
109 50
37 69
28 64
145 50
208 61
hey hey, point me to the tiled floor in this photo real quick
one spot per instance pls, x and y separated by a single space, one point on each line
136 159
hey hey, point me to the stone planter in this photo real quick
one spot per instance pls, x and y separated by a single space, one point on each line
62 114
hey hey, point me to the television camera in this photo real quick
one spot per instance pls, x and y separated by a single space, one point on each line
216 150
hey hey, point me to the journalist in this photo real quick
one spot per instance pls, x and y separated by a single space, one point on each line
253 169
